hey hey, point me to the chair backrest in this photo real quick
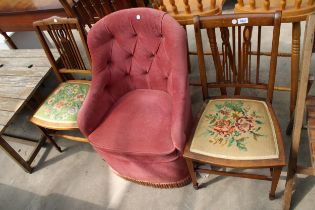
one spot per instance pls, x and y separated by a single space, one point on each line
233 63
292 10
184 10
270 4
60 31
90 11
138 48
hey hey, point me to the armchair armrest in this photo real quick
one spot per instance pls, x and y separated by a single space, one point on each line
181 115
94 109
178 87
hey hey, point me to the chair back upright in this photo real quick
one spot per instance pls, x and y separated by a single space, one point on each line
230 38
60 31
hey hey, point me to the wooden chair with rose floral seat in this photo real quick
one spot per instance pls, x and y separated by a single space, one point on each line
59 110
236 131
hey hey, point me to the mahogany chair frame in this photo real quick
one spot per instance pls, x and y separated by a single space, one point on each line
222 22
69 63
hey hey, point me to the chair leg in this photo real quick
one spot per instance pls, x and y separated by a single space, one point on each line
275 179
49 138
8 39
192 173
291 122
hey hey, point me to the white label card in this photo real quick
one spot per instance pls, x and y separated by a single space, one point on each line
242 20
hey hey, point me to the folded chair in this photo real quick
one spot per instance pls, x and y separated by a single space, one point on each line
236 131
89 12
137 112
59 111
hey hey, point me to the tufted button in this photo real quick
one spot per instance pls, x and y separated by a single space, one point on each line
109 62
127 73
166 77
130 55
135 34
145 72
159 35
152 55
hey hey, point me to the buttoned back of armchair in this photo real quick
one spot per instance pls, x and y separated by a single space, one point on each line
132 49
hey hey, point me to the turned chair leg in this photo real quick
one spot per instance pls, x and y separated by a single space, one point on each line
49 138
275 179
192 173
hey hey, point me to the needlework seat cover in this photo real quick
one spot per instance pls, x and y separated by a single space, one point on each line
238 129
61 108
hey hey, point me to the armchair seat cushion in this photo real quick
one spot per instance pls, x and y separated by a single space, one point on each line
138 125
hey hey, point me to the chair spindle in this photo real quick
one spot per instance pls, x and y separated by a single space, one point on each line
212 4
154 4
298 4
252 4
187 7
258 54
310 2
200 6
240 2
174 7
266 4
245 71
283 4
162 6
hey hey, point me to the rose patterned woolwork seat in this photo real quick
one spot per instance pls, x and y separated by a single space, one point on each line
137 112
238 129
60 109
235 131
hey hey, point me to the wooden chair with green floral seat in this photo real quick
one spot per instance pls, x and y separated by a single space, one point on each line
236 131
59 111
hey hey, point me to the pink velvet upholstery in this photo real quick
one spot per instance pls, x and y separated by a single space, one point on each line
137 113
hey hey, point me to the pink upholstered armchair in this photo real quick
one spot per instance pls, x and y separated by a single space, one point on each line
137 113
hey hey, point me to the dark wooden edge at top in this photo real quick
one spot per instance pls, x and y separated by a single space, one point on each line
229 20
55 20
266 163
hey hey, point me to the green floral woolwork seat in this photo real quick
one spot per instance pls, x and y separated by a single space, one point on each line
60 109
239 129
